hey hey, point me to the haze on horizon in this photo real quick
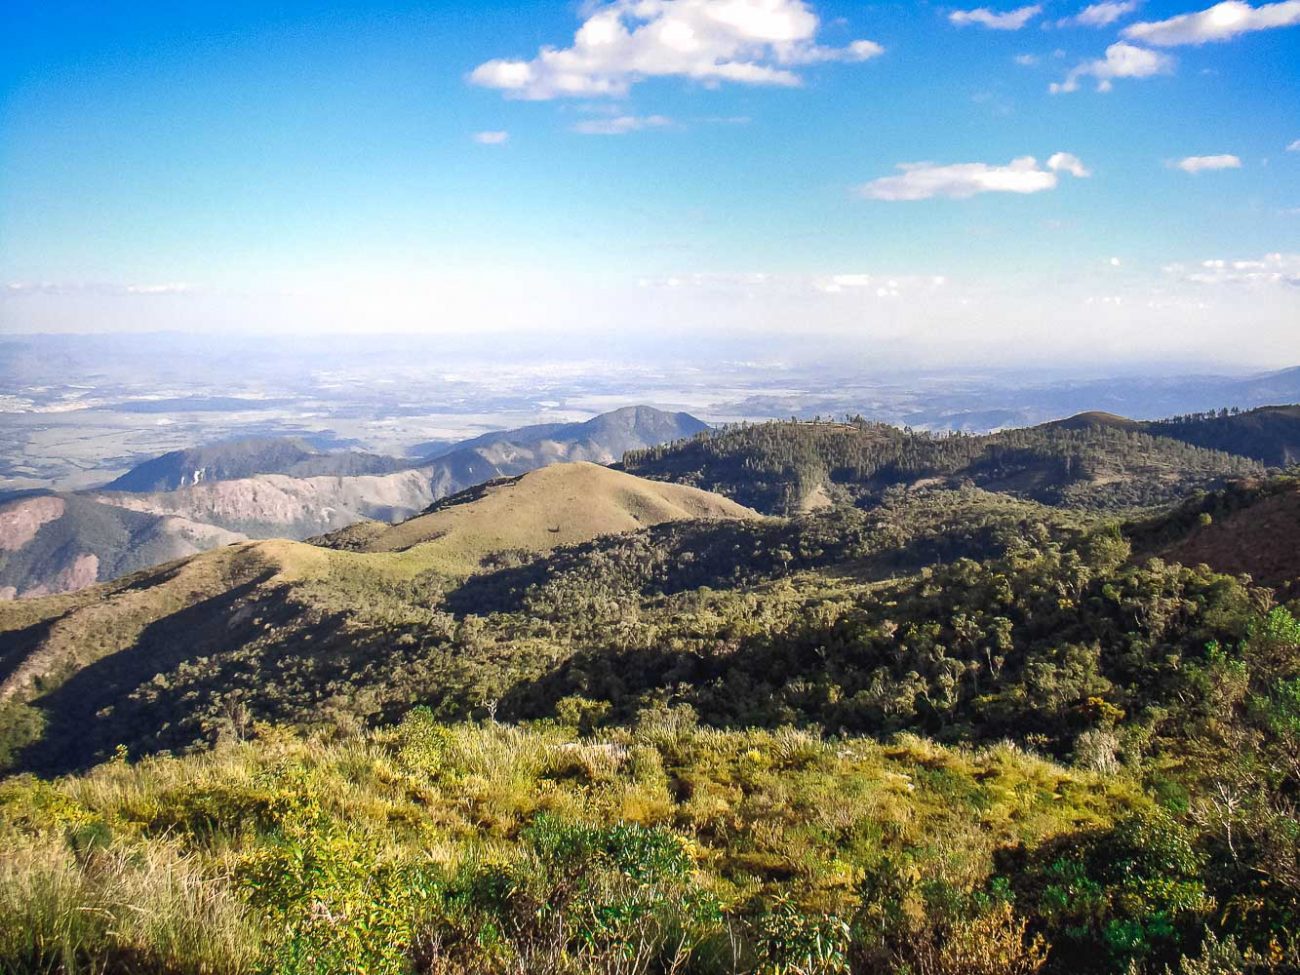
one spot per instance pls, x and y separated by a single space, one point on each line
1062 182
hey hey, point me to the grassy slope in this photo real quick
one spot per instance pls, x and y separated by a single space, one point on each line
560 505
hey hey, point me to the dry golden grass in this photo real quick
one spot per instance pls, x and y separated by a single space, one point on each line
564 504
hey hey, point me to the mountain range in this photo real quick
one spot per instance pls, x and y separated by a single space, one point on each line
190 500
459 603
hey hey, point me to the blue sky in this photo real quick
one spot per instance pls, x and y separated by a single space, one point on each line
732 164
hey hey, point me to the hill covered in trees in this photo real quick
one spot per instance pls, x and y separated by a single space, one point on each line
1092 462
1270 434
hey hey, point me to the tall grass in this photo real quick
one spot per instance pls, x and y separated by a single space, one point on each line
144 909
418 845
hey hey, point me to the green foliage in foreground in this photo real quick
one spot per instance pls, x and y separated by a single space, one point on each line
664 846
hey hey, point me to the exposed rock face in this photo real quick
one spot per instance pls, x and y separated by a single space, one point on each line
276 505
81 572
21 520
59 543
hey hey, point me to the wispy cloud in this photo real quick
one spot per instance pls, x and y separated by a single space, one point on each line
21 288
800 285
1271 269
1221 22
755 42
1121 61
621 124
1201 164
984 17
877 285
959 181
172 288
491 138
1294 147
1100 14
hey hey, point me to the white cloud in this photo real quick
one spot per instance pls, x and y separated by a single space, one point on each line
1221 22
1026 60
621 124
1115 262
959 181
1294 147
1064 162
755 42
491 138
984 17
1271 269
1121 61
1100 14
1200 164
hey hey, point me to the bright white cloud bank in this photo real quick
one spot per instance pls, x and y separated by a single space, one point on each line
757 42
1121 61
1200 164
1221 22
959 181
984 17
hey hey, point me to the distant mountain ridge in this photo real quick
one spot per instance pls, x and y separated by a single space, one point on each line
284 504
1092 460
190 500
602 439
236 459
1269 434
52 543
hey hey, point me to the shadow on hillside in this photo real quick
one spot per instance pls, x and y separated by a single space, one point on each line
17 645
618 676
76 736
660 560
669 559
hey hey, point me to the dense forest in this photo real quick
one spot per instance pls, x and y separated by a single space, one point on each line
976 721
778 467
